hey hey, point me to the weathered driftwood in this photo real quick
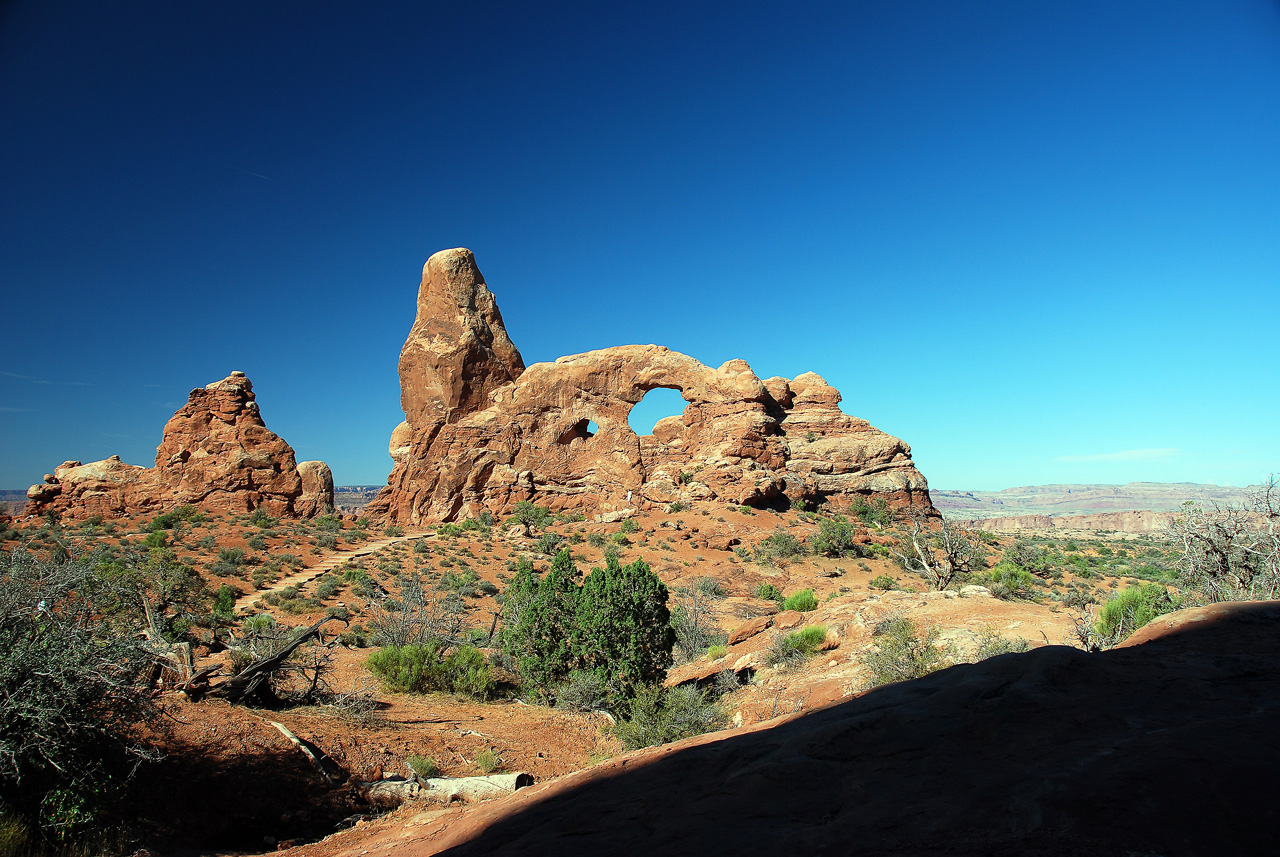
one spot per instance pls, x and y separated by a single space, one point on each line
329 769
393 791
254 680
198 685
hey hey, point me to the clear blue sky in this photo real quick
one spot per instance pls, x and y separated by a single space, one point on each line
1038 241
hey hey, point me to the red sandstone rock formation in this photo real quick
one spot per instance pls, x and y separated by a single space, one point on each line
215 453
482 431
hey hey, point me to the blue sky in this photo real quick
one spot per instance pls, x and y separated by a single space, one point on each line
1038 241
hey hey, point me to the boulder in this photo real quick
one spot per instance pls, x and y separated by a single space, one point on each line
749 629
317 489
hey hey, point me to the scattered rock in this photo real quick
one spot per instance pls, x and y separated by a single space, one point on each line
749 629
787 619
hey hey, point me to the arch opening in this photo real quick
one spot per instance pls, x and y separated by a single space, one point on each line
583 429
657 404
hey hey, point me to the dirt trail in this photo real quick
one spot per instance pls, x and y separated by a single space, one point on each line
306 575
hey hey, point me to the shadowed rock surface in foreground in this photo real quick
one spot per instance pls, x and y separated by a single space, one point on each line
1165 746
483 431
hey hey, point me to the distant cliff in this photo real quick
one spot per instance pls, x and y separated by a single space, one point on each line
1138 507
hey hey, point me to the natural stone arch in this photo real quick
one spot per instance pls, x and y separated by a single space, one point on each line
511 433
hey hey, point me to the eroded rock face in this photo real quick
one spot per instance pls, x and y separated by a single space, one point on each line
215 453
739 440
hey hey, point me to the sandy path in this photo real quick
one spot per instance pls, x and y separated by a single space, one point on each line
306 575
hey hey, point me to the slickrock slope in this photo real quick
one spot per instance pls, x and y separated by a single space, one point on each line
1164 746
215 453
483 431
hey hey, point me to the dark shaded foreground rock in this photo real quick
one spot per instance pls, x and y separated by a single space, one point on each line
216 453
1166 746
481 431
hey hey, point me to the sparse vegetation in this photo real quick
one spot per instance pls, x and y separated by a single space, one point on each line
425 667
424 766
991 643
901 652
804 601
1130 609
778 548
661 716
797 647
835 537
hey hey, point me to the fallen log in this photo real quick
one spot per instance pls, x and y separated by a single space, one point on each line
329 769
393 791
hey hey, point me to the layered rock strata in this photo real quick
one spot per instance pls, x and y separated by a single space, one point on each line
483 431
216 453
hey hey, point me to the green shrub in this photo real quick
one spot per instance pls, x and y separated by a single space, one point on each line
797 647
257 542
709 586
583 690
884 582
900 653
262 520
616 622
328 541
991 643
155 539
781 545
804 601
675 507
424 766
660 717
488 761
1009 581
715 653
328 523
393 531
874 512
835 537
1130 609
419 668
769 591
596 540
533 517
224 603
549 543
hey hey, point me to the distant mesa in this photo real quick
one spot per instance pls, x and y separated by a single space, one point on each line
216 453
483 431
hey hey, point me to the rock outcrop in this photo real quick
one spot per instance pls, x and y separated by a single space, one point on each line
483 431
215 453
